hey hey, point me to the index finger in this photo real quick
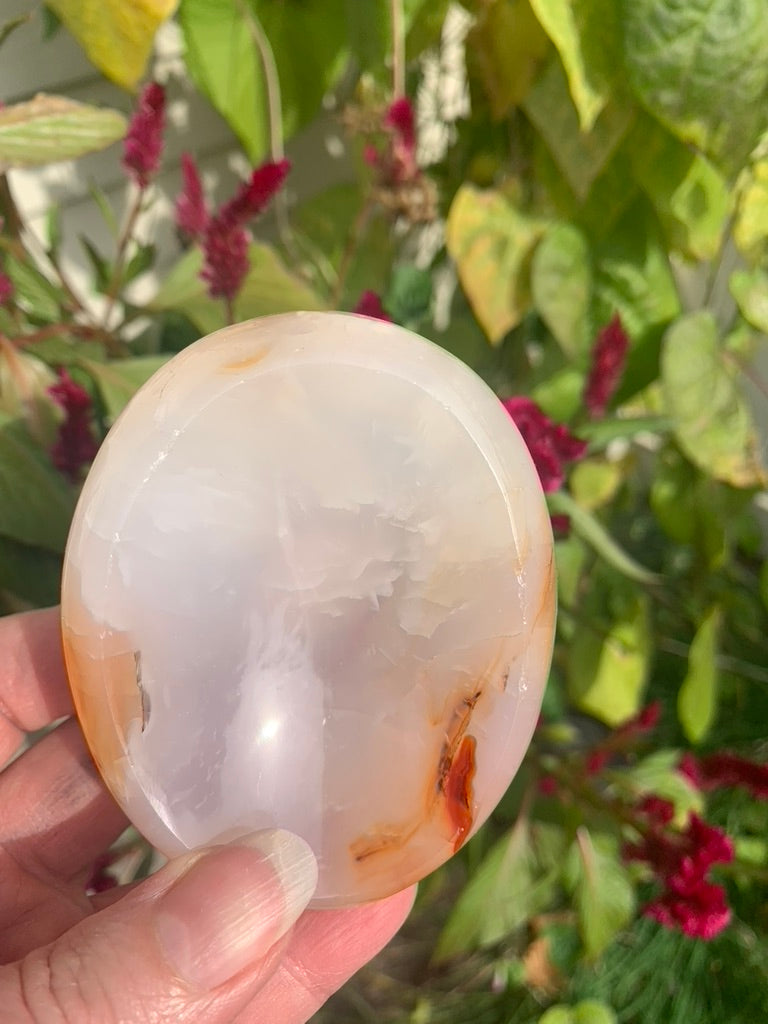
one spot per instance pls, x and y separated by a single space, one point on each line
33 681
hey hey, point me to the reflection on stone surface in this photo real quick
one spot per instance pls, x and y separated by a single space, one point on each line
310 584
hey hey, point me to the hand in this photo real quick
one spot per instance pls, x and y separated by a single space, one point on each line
208 938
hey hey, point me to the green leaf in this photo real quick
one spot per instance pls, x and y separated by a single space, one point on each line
24 384
117 35
36 504
689 194
510 885
713 424
224 64
590 529
102 270
633 278
590 1011
38 296
141 261
119 380
270 287
50 128
701 67
750 290
490 241
581 156
561 285
603 892
658 774
505 48
409 295
31 574
310 41
609 659
586 34
697 698
10 26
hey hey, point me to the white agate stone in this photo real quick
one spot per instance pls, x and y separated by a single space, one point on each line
309 584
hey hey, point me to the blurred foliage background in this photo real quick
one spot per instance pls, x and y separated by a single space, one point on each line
572 197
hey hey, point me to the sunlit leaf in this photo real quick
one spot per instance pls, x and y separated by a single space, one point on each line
702 68
689 194
586 34
609 658
750 290
658 775
50 128
561 285
490 240
697 698
581 156
713 424
116 35
750 230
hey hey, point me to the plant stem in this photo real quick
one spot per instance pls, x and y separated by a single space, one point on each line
271 82
353 241
398 48
123 242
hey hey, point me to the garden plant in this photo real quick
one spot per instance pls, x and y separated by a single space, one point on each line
572 197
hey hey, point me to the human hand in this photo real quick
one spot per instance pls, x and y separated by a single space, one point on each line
208 938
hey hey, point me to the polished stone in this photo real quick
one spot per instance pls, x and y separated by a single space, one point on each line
309 584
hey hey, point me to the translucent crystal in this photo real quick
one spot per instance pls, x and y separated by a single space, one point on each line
309 584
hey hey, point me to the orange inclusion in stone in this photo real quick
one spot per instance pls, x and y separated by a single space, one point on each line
457 787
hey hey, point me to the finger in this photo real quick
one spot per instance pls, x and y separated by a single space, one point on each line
57 815
33 683
192 943
326 948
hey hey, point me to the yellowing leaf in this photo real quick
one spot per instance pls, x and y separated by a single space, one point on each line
490 241
50 128
697 698
586 34
116 35
505 48
750 230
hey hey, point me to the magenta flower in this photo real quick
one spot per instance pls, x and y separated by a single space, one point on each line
254 195
75 444
369 304
191 208
225 258
224 236
396 162
680 861
552 445
143 143
609 355
6 289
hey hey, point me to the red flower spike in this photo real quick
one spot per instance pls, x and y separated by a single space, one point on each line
401 118
225 258
657 809
643 722
595 761
75 444
254 195
143 143
548 785
551 445
609 356
6 289
723 770
369 304
191 208
698 910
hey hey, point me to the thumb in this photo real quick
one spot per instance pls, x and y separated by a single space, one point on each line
190 943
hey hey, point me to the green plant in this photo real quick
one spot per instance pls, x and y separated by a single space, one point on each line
591 235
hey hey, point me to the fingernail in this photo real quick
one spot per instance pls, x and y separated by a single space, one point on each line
233 904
